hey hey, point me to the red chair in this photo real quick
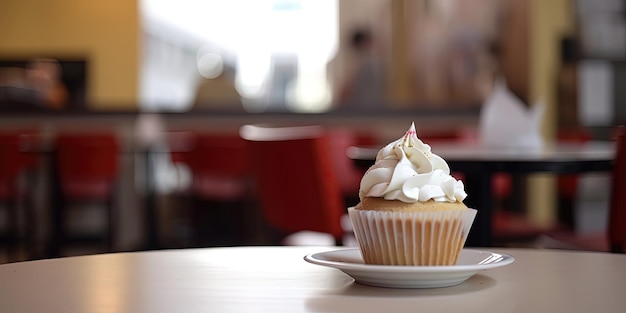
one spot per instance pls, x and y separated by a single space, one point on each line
297 185
220 189
614 238
220 166
13 163
87 172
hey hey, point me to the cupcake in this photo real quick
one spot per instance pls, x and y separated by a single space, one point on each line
411 209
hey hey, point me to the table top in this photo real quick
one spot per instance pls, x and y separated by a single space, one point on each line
595 150
563 158
277 279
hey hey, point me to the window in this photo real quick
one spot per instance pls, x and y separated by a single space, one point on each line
278 51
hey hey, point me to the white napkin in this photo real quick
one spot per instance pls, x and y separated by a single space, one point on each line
505 122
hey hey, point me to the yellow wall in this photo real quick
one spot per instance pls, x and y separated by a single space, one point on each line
549 21
106 33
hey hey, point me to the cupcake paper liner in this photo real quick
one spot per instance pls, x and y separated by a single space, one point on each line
411 238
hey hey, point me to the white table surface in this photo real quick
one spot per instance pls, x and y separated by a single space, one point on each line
277 279
590 151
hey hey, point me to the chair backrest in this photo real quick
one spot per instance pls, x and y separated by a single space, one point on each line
220 166
219 154
296 181
10 156
13 159
617 209
10 164
87 157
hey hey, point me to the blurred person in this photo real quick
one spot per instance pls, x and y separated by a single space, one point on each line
216 89
471 67
44 76
365 83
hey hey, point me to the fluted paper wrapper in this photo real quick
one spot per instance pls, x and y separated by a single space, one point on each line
411 238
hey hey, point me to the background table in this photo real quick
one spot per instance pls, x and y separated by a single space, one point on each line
277 279
480 163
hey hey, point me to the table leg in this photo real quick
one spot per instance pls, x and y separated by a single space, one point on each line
152 240
478 188
57 234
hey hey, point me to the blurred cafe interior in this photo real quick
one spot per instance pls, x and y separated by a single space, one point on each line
123 124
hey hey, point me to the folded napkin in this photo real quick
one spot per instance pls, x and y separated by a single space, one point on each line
505 122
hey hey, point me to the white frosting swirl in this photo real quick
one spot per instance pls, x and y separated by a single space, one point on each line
408 171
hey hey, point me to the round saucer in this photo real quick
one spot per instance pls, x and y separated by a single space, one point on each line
398 276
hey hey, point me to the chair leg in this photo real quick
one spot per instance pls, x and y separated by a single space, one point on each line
12 237
29 228
111 229
196 232
338 241
57 231
617 248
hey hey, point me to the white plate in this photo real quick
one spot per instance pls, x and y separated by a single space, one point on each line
397 276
